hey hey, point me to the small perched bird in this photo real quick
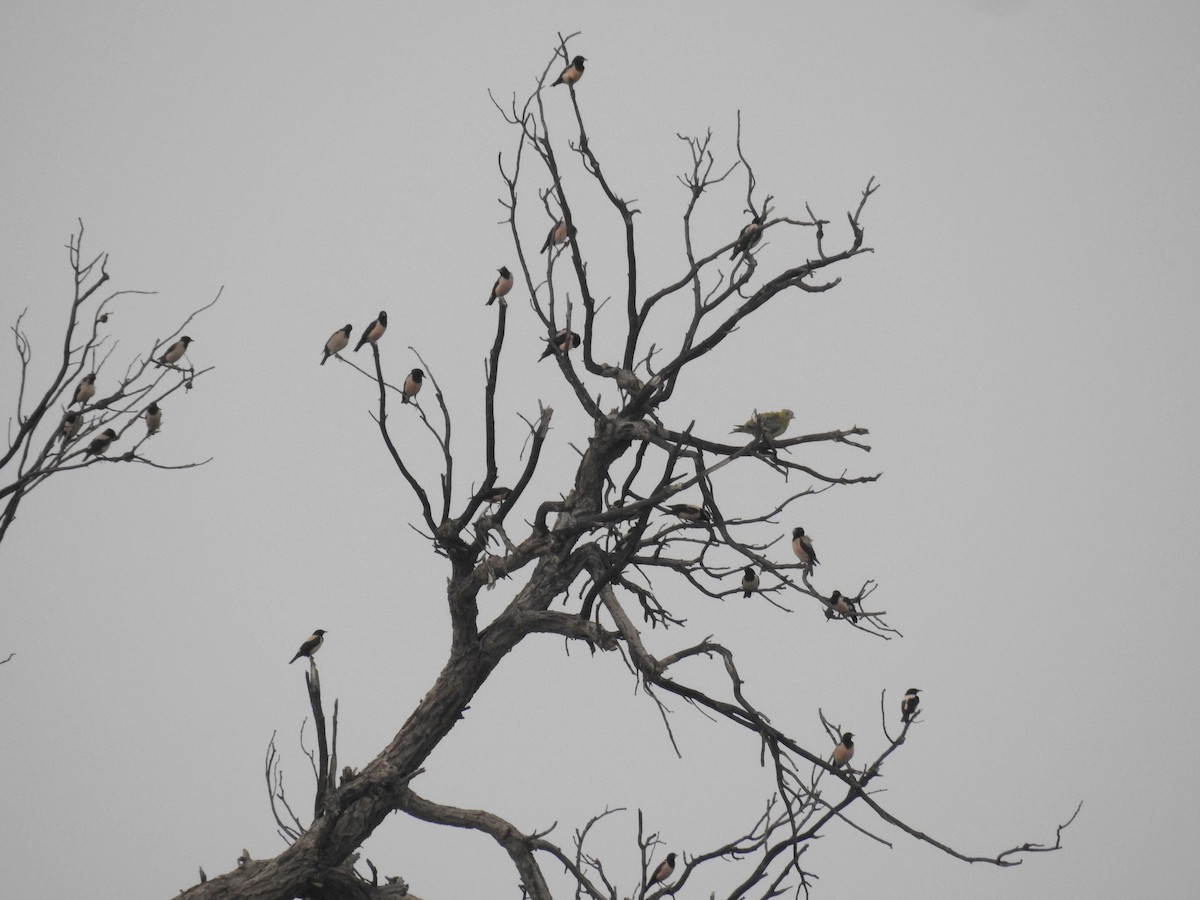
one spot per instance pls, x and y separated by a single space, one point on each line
100 444
802 546
373 332
688 512
84 391
908 706
571 73
842 605
311 646
844 751
504 283
557 235
750 581
70 425
174 352
770 424
412 385
103 320
563 342
751 235
664 870
494 495
337 342
153 418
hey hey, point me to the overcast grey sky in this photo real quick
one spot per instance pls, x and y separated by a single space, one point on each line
1021 346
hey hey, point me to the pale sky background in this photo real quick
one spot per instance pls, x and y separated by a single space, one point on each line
1020 345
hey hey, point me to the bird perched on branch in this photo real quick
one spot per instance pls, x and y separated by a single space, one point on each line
769 424
503 284
844 751
494 495
100 444
175 352
689 513
563 342
802 546
373 332
84 391
311 646
70 425
412 385
751 235
842 605
571 73
557 235
664 870
908 706
337 342
750 581
153 418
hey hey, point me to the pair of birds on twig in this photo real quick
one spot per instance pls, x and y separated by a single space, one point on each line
843 752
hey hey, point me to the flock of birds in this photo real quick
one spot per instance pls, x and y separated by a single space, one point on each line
86 390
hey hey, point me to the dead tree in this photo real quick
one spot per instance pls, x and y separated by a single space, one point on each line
591 563
86 410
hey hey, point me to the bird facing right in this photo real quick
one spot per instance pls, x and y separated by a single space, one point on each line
373 332
337 342
908 706
769 424
844 751
310 646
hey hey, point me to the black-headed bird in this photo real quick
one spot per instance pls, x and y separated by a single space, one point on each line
557 235
100 444
412 385
153 418
571 73
750 235
70 425
311 646
844 751
688 512
175 352
802 546
373 332
750 581
563 342
502 286
843 605
494 495
908 706
84 391
664 870
338 341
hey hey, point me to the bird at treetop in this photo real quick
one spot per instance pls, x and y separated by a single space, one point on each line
311 646
563 342
70 425
99 445
175 352
770 424
373 332
750 581
802 546
85 390
337 342
557 235
844 751
664 870
571 73
153 418
494 495
751 234
412 385
908 706
841 604
502 286
688 512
